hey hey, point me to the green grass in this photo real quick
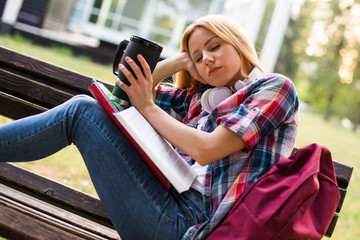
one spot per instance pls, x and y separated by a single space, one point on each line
67 167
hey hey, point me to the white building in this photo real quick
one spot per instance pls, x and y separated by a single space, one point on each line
163 21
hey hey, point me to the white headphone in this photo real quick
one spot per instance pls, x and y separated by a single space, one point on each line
212 97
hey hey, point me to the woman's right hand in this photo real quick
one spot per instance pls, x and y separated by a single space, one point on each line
190 67
174 64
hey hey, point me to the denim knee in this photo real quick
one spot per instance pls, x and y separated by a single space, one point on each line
83 103
82 99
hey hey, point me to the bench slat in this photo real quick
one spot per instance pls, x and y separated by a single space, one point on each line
18 67
37 91
15 225
57 194
23 108
342 198
30 217
43 69
343 174
330 229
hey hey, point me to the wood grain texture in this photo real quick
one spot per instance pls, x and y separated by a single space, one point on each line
42 69
53 192
16 108
40 82
28 217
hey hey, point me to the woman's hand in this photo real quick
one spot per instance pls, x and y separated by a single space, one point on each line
190 67
174 64
141 85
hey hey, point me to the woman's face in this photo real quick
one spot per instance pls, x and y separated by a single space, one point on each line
217 62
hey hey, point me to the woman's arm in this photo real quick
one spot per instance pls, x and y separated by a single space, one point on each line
172 65
202 146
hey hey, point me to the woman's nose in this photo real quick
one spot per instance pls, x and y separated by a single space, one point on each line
207 58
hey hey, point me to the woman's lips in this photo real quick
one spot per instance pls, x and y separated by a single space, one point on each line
213 70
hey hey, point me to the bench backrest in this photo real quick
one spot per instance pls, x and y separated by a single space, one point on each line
343 175
29 85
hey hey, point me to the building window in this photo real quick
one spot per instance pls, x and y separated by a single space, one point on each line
162 21
95 11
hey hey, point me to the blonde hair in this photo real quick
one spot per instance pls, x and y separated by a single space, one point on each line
227 31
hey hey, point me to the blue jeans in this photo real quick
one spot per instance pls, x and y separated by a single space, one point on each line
138 205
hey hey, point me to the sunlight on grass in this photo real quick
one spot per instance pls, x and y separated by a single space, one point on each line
65 166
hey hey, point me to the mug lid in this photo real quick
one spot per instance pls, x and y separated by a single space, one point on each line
146 42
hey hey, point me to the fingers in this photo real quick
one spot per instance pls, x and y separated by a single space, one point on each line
127 74
138 73
136 69
145 66
134 74
131 77
122 85
140 89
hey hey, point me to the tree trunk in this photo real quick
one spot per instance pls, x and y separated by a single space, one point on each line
357 118
327 113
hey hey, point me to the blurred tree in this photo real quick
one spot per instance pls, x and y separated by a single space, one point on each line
293 48
357 92
320 54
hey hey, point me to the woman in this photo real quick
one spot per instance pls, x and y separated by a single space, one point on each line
230 145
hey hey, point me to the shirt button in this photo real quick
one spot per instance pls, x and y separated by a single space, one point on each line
206 196
191 232
255 109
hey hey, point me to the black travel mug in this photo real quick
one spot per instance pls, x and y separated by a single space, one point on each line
137 45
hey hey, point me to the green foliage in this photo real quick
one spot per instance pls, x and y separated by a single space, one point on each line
311 57
349 95
293 49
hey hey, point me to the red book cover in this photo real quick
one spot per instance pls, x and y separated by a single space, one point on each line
110 108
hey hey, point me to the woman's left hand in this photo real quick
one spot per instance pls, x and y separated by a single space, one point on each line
141 85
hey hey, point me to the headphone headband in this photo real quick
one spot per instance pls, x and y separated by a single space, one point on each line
212 97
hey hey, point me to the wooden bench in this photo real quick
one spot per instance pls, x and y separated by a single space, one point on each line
37 207
31 205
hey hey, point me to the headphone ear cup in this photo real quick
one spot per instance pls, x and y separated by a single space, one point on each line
212 97
205 100
240 84
217 95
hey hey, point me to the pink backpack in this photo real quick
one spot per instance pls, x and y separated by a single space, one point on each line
296 199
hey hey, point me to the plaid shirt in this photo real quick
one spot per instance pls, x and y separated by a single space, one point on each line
264 114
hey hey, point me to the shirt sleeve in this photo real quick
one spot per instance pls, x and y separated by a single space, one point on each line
270 103
174 100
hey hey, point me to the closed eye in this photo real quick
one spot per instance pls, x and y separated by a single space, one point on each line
215 47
